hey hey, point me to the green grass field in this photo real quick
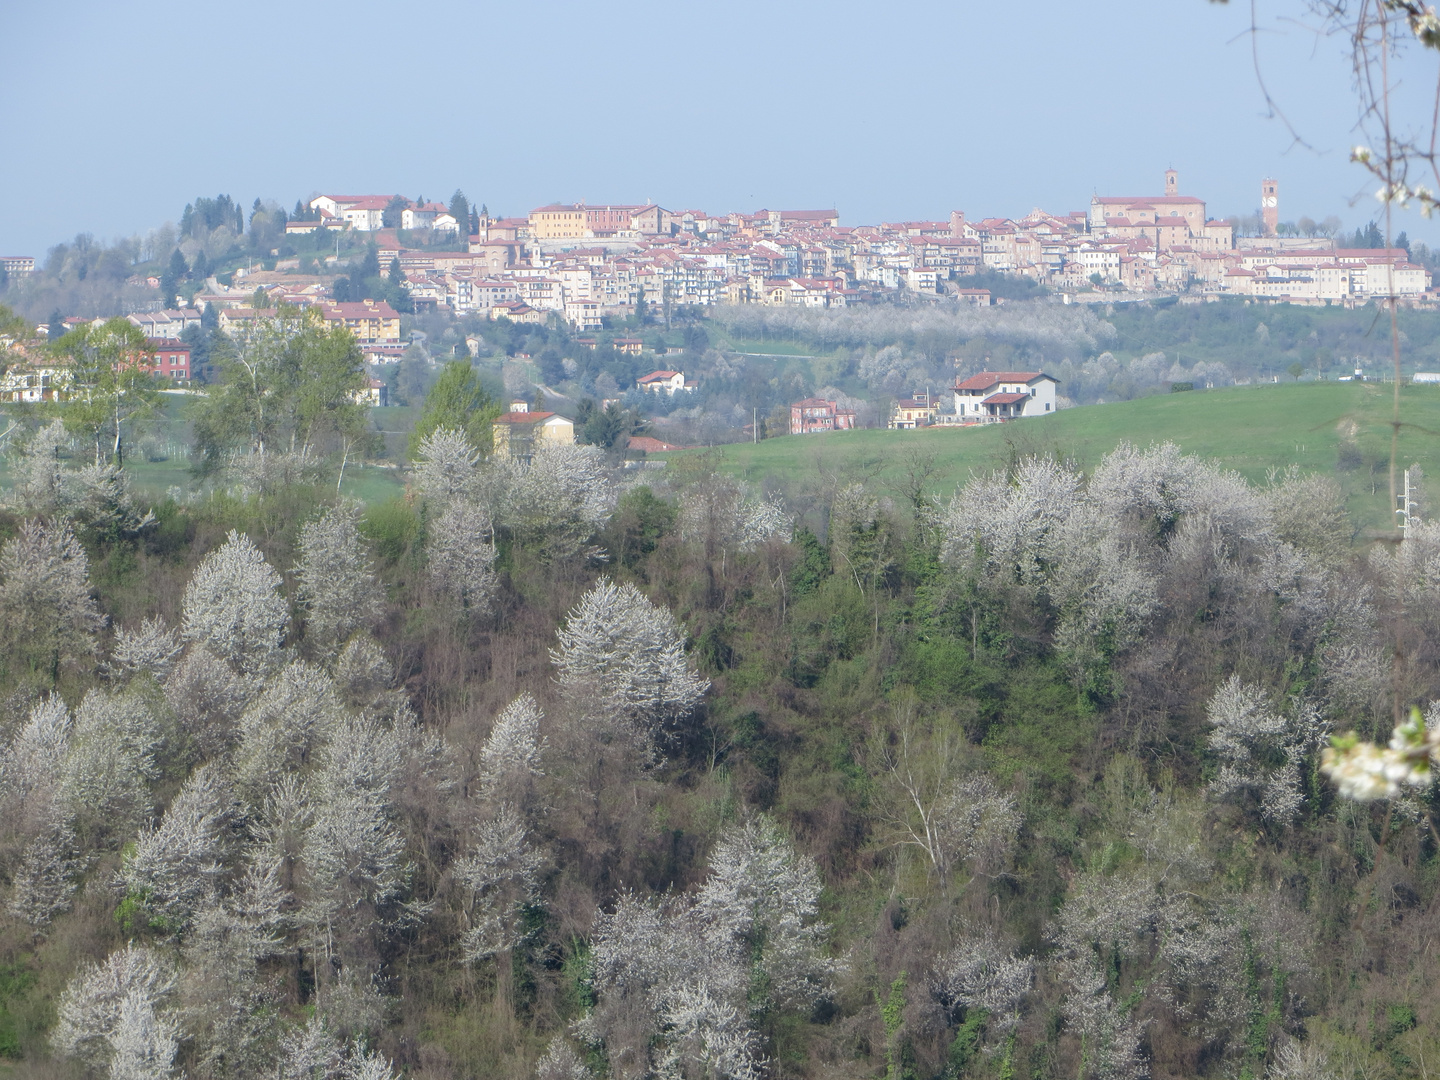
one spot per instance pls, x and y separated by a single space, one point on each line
1251 429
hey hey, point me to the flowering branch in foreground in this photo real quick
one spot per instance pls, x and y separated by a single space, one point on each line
1364 771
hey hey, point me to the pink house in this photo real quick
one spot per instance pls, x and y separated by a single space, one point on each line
817 414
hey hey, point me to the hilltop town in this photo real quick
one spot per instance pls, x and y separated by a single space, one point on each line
570 295
589 263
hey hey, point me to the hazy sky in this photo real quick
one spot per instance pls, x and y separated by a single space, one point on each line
115 115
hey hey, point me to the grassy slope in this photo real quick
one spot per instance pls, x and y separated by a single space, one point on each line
1252 429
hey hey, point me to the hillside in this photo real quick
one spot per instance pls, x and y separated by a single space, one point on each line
1251 429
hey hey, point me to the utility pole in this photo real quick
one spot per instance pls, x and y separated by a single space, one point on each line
1405 507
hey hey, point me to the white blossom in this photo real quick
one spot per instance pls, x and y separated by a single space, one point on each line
39 476
31 766
1013 524
557 501
150 647
710 1030
1247 735
761 893
143 1042
514 746
624 655
112 757
369 1065
175 868
208 697
500 877
45 600
722 511
89 1011
446 466
1366 772
45 877
460 554
978 974
352 854
311 1052
338 588
561 1062
286 724
233 606
977 823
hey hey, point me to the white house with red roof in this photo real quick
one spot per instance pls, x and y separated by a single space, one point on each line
662 382
364 213
994 396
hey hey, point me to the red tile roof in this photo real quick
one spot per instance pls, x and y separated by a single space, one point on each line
522 417
987 379
651 445
1004 399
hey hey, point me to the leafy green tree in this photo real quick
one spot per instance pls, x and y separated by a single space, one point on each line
460 209
390 217
171 276
611 427
459 402
1296 370
369 265
291 382
110 383
16 335
329 405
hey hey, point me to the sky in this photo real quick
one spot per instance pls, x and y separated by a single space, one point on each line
117 115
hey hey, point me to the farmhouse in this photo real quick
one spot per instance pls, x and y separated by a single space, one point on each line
662 382
520 432
993 396
817 414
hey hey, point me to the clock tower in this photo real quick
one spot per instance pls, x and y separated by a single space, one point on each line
1269 205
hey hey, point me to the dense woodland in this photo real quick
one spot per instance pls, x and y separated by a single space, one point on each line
558 769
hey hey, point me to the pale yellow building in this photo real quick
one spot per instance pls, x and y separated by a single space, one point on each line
520 432
559 221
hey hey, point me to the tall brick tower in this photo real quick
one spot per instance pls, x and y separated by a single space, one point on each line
1270 205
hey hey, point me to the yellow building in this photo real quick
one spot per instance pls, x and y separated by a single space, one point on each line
373 322
559 221
520 432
